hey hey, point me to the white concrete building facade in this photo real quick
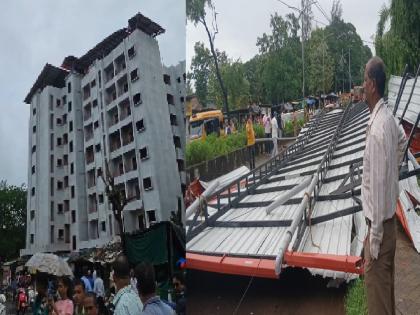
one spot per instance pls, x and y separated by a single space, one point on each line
110 107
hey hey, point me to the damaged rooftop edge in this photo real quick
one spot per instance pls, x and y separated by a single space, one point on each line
55 76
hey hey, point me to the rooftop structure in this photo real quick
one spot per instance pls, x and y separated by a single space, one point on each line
108 108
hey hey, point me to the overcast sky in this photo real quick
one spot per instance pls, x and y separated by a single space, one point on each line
33 33
240 22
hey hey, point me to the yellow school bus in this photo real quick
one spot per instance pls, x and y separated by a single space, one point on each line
205 123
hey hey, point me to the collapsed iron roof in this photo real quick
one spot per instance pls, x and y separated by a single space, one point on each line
50 75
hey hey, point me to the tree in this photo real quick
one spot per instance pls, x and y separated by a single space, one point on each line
336 11
12 220
321 65
400 44
201 65
346 48
196 13
118 201
280 59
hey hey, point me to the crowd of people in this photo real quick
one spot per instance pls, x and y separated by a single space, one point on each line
131 292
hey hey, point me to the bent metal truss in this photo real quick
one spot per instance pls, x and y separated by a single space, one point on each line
299 209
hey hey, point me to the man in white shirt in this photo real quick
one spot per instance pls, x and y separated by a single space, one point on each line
274 135
385 141
267 132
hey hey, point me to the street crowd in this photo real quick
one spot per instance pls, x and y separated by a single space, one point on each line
132 291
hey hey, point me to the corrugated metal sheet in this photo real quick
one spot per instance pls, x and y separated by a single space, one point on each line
342 235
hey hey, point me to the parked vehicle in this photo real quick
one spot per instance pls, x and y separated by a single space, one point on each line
205 123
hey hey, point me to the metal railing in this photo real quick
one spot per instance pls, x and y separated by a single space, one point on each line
252 179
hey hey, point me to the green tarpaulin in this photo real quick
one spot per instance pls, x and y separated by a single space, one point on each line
150 246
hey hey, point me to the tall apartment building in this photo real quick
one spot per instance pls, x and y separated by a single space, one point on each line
175 78
112 106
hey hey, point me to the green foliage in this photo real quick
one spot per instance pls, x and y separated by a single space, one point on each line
234 79
196 10
12 220
400 44
274 75
201 67
259 131
203 150
355 301
342 40
321 64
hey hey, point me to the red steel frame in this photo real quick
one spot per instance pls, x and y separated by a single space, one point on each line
264 268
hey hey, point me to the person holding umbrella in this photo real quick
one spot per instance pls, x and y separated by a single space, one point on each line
40 306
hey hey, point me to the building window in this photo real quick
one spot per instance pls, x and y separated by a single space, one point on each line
137 99
59 141
51 102
101 198
167 79
52 234
133 75
72 191
172 118
32 238
170 99
34 111
33 169
73 216
177 141
69 87
33 191
71 146
181 165
131 52
60 234
70 126
96 124
99 172
32 214
33 148
98 148
51 163
34 129
64 119
52 186
99 78
59 185
182 99
72 168
140 125
178 79
58 121
59 162
69 107
147 183
74 246
151 216
60 208
143 153
103 226
64 100
66 181
58 103
65 160
93 83
95 103
51 121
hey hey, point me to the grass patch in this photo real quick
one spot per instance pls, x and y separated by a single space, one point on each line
355 302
